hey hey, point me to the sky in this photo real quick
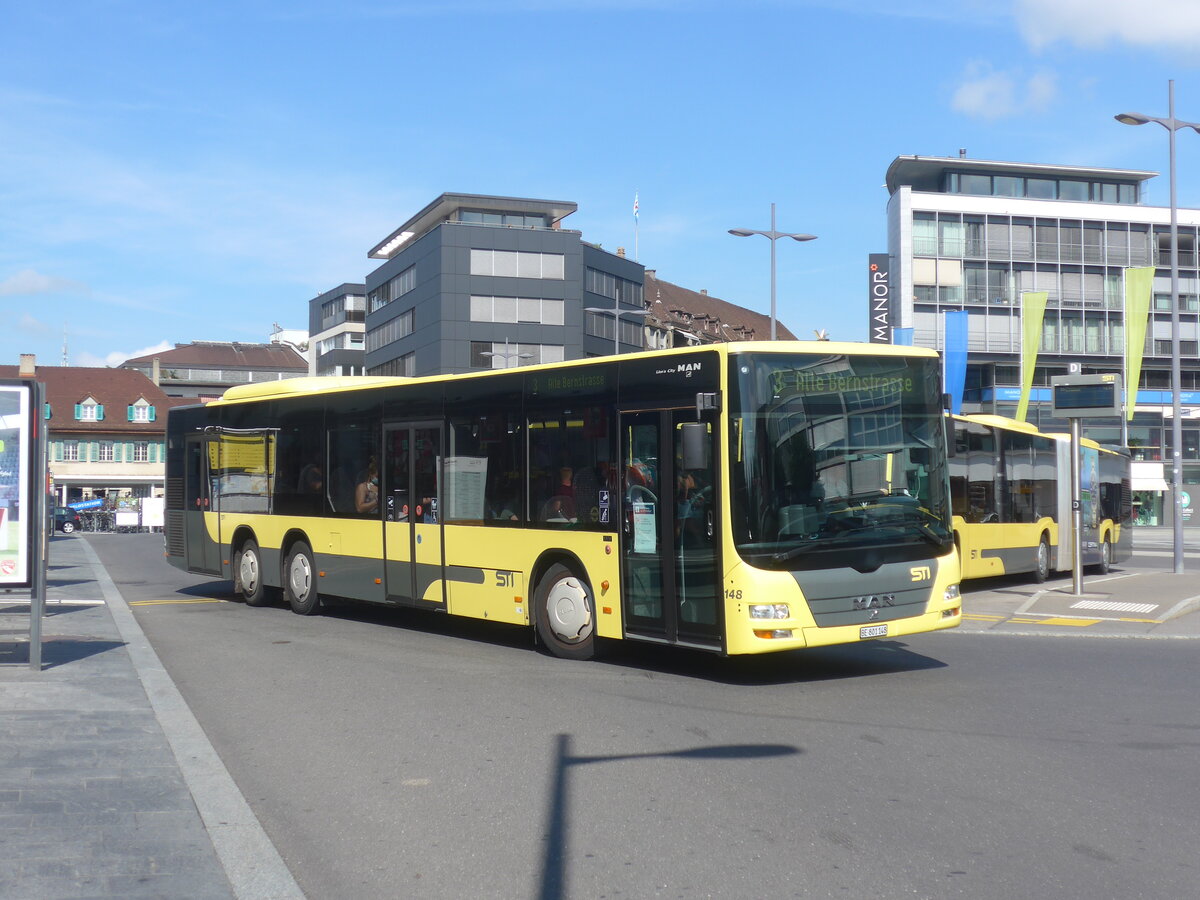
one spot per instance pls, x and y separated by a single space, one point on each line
172 172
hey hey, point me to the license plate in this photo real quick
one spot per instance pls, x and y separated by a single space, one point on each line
870 631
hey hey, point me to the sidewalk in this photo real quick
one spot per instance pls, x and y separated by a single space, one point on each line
1127 602
108 786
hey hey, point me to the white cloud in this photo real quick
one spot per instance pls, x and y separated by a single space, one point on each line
30 325
116 357
1170 24
28 282
988 94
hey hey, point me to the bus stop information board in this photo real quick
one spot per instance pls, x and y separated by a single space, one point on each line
17 485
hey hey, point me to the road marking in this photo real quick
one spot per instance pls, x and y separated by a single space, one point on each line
984 618
1077 623
174 602
1053 620
1115 606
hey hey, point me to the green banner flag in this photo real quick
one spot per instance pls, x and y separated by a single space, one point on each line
1033 309
1139 286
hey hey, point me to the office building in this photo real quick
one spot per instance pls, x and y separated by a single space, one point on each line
974 235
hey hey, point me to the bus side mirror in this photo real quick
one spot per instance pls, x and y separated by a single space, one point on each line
694 437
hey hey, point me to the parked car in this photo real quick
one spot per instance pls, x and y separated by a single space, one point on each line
66 520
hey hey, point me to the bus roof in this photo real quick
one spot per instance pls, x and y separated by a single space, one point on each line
332 383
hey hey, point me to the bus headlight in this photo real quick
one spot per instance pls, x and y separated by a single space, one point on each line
952 593
769 611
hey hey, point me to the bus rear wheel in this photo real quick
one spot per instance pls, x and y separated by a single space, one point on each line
1041 569
247 574
565 613
299 581
1105 557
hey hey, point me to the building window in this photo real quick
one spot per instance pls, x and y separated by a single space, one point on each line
89 411
106 451
517 309
517 264
601 325
141 451
70 451
488 355
510 220
140 412
391 331
405 365
615 288
393 288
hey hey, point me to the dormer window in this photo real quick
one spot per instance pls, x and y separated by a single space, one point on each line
89 411
141 411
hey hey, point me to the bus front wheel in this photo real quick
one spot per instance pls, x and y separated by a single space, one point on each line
299 582
1105 557
565 613
1042 567
247 572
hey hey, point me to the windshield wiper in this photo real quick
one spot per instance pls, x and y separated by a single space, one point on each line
814 543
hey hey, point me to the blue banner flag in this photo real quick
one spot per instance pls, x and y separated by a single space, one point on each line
954 357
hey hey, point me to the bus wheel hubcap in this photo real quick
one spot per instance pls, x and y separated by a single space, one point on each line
248 572
301 577
569 610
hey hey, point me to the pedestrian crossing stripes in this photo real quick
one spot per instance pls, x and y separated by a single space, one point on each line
1115 606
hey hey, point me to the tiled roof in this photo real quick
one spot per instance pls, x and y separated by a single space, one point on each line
114 389
216 355
708 317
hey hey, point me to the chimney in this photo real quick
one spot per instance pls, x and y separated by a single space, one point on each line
962 152
28 366
621 252
155 371
704 291
652 273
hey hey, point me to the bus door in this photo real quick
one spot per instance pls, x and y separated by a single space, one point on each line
203 551
671 583
412 514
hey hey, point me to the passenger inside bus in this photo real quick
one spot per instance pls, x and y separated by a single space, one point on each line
366 495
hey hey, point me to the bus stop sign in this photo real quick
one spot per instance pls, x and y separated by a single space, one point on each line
1086 396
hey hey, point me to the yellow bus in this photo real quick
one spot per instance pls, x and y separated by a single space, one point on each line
736 498
1010 486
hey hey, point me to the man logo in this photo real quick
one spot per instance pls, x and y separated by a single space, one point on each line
874 602
919 573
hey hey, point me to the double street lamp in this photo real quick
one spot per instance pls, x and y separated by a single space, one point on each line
773 236
1172 125
616 312
506 355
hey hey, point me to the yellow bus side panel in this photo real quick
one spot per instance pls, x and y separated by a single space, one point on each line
995 548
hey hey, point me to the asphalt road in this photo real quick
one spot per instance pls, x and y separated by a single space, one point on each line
397 754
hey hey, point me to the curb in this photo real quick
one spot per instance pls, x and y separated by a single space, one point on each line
253 866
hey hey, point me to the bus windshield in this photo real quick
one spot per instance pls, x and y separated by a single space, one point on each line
836 455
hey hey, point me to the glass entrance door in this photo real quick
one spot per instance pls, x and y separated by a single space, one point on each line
203 551
412 514
670 559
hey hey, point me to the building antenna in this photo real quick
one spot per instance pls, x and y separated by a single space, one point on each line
65 358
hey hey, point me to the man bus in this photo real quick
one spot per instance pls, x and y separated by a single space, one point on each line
1010 486
738 498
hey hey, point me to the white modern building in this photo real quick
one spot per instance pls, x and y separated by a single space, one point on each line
970 234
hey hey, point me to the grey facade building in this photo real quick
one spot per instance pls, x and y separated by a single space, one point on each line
337 331
475 281
974 235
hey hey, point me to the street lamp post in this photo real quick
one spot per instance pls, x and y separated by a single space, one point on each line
506 355
616 312
1172 125
773 236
